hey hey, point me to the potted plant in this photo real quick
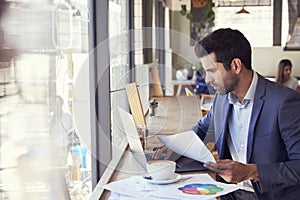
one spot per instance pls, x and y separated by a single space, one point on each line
201 17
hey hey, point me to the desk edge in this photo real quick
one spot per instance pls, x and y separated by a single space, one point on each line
98 190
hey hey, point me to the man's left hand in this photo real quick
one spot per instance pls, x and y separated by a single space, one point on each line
232 171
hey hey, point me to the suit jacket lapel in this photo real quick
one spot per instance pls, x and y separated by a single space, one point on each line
257 106
221 142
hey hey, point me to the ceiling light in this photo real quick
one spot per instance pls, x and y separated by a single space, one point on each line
243 11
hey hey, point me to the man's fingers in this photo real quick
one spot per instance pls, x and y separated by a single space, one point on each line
209 166
216 167
169 153
224 161
159 151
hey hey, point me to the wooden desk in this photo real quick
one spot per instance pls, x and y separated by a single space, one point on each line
179 85
133 168
174 114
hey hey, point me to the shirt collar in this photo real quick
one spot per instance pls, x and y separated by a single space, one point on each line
249 97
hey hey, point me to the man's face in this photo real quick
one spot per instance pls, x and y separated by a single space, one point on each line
217 76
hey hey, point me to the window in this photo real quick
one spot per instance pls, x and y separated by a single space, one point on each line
45 89
119 42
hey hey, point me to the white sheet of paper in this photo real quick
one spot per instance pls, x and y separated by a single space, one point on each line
136 187
188 144
172 190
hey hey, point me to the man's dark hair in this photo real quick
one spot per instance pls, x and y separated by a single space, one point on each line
227 44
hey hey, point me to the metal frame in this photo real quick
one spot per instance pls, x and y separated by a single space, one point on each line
100 85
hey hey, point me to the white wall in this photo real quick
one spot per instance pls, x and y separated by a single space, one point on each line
266 59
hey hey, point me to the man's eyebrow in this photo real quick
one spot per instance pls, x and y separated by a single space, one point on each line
210 69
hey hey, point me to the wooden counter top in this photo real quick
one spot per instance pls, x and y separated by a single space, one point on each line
174 114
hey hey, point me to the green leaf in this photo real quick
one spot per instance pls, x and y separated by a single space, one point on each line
182 12
197 24
189 16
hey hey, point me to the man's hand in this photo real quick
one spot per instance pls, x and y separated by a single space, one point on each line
232 171
160 150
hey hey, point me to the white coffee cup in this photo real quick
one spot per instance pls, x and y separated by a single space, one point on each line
161 169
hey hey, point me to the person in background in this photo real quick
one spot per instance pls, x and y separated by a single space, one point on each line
201 86
284 77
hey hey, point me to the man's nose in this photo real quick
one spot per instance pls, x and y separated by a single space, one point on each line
207 79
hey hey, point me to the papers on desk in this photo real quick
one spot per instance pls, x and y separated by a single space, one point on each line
189 145
136 187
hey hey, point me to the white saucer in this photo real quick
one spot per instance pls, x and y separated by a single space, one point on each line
175 177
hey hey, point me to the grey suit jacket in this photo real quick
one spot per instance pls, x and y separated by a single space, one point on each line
273 138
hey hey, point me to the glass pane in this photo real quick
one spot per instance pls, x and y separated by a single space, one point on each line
118 44
44 81
119 67
118 135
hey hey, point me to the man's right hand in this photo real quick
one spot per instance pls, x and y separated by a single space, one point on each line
159 151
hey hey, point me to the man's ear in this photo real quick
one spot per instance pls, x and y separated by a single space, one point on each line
236 65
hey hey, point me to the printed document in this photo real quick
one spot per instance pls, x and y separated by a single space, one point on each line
194 187
188 144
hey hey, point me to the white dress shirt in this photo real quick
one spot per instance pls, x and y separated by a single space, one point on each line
239 122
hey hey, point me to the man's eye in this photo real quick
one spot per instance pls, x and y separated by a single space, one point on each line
212 70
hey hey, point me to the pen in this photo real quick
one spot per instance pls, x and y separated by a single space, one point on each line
185 178
157 148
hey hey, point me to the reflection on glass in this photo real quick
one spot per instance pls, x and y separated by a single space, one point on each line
119 68
43 48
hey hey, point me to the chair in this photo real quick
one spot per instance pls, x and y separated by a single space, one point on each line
155 87
212 148
135 104
188 92
205 103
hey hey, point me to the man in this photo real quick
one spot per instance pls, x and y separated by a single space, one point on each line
256 122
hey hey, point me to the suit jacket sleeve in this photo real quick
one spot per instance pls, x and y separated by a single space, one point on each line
285 173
